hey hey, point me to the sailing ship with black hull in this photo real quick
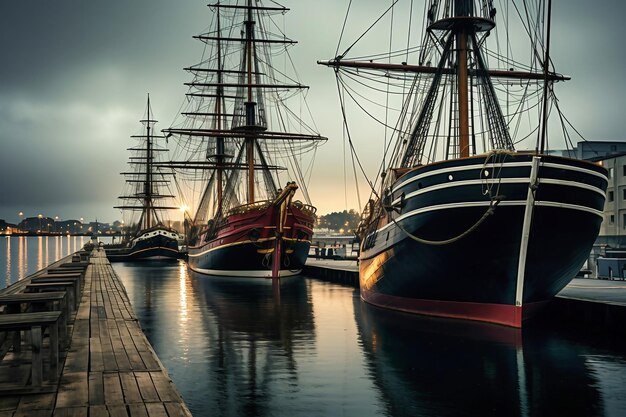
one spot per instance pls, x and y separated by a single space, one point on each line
148 236
461 225
241 137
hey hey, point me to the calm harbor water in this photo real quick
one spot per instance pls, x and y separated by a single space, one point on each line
21 256
310 348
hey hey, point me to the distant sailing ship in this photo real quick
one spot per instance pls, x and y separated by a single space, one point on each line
464 226
240 130
148 238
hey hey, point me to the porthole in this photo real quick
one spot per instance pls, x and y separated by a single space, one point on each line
486 173
450 177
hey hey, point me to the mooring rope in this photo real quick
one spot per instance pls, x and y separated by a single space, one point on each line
494 200
490 210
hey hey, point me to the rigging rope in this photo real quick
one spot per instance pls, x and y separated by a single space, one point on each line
494 201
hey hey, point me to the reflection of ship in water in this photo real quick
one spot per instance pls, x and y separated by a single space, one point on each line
257 328
437 367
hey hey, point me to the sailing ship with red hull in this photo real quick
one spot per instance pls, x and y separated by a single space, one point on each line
243 137
463 226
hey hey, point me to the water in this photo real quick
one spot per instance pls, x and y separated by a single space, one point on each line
21 256
310 348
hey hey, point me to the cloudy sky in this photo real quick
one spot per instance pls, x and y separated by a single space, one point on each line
75 74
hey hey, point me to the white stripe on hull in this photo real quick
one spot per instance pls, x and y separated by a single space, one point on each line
466 204
455 169
245 274
494 165
500 181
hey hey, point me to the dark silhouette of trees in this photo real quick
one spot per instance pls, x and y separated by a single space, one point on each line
338 220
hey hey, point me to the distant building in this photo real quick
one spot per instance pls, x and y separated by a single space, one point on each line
599 150
613 229
37 225
70 226
100 226
6 228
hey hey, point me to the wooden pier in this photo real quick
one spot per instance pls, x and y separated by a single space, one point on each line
108 367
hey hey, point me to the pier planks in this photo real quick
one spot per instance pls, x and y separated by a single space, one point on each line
110 369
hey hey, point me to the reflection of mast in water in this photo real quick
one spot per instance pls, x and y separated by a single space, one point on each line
426 366
253 327
276 291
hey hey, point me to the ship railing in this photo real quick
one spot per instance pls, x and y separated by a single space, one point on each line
307 208
257 205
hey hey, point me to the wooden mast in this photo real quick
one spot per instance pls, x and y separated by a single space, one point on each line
250 105
463 8
219 146
148 184
546 65
461 42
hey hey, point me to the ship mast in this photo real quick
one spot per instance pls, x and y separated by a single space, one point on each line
143 180
226 114
546 66
219 146
463 8
148 184
250 104
461 86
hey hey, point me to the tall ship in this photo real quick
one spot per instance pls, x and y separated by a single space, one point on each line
146 188
242 146
459 223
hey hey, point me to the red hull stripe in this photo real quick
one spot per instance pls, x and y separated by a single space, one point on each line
508 315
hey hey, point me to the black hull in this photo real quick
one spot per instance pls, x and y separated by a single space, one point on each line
153 247
492 273
248 259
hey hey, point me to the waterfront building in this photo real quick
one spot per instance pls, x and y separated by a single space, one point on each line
69 226
613 229
39 224
599 149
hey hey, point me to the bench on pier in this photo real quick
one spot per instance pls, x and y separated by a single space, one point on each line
69 286
69 276
35 323
52 279
82 256
53 273
65 270
78 264
37 302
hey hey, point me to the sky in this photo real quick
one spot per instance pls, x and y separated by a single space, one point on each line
75 74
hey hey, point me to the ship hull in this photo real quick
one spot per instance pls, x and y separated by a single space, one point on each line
150 245
246 245
511 263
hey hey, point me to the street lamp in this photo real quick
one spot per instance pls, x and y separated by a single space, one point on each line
40 216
